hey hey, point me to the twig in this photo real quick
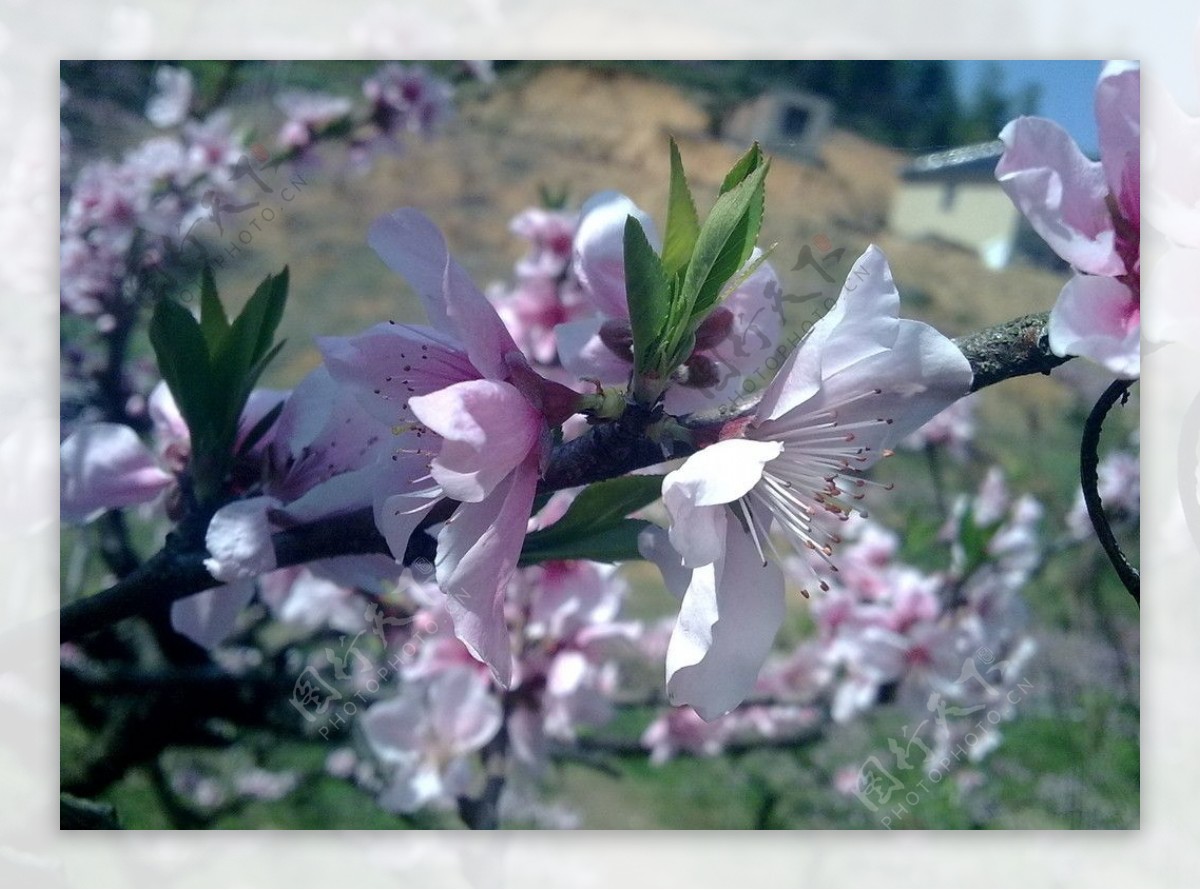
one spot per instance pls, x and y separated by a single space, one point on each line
1089 460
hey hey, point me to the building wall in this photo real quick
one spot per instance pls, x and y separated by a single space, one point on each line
975 215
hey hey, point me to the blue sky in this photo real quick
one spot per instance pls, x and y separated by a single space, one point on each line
1067 88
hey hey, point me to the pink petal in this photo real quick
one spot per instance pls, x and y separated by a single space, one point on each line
1098 318
105 465
259 404
478 550
487 429
582 352
412 247
398 515
909 384
239 540
388 364
329 455
1118 120
599 252
208 618
1061 193
727 623
169 426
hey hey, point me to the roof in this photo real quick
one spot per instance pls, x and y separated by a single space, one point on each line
966 162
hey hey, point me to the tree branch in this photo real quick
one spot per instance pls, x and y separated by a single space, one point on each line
1089 460
1012 349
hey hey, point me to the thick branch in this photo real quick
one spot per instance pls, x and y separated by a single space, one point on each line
1013 349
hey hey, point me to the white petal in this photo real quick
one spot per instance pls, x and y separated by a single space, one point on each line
239 540
727 623
696 493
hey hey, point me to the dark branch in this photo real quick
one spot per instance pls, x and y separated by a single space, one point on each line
1089 460
1012 349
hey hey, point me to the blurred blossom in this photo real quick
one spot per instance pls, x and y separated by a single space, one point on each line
682 730
404 100
261 784
546 293
172 97
425 737
341 763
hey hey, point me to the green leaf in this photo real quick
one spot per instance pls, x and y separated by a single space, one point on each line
213 321
211 366
725 243
246 349
683 225
647 292
182 356
614 543
746 164
599 509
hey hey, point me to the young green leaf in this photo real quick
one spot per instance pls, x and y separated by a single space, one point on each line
648 294
746 164
613 543
213 321
683 225
183 361
598 508
726 241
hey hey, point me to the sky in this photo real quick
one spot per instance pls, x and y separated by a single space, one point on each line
1066 90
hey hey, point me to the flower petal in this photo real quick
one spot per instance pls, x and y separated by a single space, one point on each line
208 618
239 540
1061 193
694 494
727 623
1119 122
862 323
487 428
397 729
584 354
654 544
1098 318
388 364
599 251
411 245
104 465
478 550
